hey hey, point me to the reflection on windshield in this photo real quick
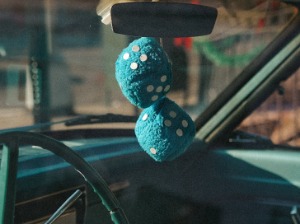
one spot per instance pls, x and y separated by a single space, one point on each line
277 118
58 60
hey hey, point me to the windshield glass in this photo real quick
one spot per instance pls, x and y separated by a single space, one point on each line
58 58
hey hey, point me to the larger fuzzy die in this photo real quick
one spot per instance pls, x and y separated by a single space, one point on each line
144 72
164 130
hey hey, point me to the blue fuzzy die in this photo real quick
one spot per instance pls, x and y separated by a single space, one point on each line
143 72
164 130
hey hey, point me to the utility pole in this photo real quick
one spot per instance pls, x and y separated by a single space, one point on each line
39 61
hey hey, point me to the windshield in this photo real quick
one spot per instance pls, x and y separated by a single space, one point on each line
58 58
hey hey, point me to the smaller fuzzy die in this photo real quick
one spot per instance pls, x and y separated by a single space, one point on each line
164 130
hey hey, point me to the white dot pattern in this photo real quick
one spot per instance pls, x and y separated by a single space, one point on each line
133 65
159 89
168 123
135 48
163 78
167 88
173 114
153 151
179 132
150 88
126 56
155 97
145 117
184 123
143 57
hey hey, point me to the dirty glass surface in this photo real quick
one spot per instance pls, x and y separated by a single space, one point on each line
58 59
277 118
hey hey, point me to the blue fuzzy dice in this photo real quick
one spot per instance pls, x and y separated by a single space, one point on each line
143 72
164 130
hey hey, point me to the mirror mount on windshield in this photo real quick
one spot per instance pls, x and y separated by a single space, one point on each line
157 19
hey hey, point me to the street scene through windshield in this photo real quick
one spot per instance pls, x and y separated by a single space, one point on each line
77 54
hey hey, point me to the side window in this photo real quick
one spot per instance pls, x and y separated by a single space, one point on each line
278 117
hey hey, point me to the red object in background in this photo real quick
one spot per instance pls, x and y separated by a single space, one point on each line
186 42
261 23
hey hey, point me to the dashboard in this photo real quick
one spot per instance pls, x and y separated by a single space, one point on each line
219 185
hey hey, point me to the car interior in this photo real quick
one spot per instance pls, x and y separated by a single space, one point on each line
82 140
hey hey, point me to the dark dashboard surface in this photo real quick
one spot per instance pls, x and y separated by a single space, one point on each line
230 183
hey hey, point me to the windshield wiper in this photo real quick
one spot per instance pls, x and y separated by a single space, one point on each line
101 119
80 120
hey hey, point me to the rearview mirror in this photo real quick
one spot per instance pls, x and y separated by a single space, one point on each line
157 19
